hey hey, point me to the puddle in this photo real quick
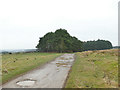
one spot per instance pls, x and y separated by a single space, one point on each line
61 64
58 69
64 61
26 83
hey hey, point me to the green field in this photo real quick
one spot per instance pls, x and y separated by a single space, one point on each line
94 69
19 63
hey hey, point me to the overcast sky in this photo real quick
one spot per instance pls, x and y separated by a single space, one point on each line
22 22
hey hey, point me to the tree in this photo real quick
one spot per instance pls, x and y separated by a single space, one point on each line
97 45
59 41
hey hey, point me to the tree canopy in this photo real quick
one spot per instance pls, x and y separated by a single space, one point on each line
62 41
97 45
59 41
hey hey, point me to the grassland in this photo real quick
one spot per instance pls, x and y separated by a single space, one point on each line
94 69
19 63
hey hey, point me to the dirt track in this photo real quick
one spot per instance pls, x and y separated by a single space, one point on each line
51 75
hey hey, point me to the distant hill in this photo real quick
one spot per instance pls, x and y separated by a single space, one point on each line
17 50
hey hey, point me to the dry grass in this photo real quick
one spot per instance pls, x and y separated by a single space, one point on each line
16 64
95 69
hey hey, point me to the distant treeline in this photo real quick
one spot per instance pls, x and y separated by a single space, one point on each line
116 47
97 45
61 41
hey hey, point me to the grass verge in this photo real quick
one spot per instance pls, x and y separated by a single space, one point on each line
94 69
19 63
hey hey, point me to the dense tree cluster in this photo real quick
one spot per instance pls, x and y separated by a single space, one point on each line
59 41
116 47
97 45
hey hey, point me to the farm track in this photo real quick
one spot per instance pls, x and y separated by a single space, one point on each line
51 75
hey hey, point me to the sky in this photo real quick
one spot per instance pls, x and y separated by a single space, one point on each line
22 22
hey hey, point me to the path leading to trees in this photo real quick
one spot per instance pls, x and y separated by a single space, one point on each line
51 75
